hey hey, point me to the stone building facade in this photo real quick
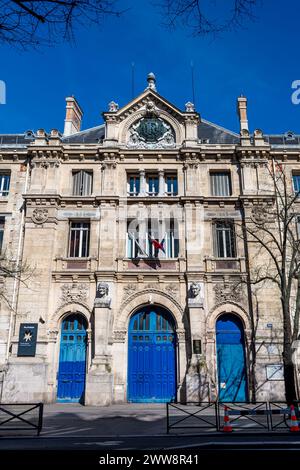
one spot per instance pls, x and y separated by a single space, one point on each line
83 210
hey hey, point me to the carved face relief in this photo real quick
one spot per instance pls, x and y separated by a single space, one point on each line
102 289
195 289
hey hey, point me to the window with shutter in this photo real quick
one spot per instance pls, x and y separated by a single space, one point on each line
82 183
220 183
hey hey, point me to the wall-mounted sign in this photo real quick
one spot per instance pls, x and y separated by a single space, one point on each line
27 339
197 346
274 372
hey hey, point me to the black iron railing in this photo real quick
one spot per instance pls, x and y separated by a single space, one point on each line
21 417
243 417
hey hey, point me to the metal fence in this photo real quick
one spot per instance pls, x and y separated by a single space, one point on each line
192 416
21 417
243 417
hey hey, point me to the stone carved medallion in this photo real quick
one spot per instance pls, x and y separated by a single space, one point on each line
151 132
40 215
228 292
259 214
74 293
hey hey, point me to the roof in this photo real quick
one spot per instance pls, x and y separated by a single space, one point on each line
208 133
94 135
213 134
16 140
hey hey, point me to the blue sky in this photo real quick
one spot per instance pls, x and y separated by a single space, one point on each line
260 61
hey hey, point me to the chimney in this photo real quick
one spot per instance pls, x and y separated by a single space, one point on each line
242 113
73 116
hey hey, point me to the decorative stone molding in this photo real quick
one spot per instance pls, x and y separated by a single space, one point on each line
228 291
139 132
141 298
74 293
260 214
189 107
172 290
180 336
40 215
129 290
52 334
119 336
113 107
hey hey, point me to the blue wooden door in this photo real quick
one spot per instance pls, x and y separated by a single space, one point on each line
151 356
232 376
72 360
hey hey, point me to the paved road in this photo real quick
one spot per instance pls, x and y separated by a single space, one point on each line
158 442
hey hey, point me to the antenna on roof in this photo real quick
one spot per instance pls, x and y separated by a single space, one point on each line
132 79
193 82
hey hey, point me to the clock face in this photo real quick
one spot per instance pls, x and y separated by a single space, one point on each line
151 129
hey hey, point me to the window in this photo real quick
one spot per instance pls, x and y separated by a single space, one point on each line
152 185
220 183
171 185
296 183
4 184
79 239
133 245
2 222
82 183
224 239
166 235
133 185
172 241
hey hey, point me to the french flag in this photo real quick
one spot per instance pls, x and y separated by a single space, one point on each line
158 245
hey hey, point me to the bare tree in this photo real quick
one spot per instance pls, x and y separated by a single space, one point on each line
27 23
201 16
272 232
19 272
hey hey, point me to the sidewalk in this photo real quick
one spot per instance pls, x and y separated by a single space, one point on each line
114 420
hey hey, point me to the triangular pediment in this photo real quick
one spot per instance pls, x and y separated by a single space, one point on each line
141 101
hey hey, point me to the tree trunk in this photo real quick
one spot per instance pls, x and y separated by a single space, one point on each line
289 374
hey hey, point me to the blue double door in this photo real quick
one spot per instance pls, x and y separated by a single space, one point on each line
151 356
231 359
72 360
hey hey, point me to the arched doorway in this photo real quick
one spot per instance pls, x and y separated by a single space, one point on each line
151 356
72 359
231 359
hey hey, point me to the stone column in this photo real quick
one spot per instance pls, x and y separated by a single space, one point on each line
142 183
161 183
197 380
99 378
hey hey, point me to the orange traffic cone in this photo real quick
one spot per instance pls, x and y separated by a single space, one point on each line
294 422
227 426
